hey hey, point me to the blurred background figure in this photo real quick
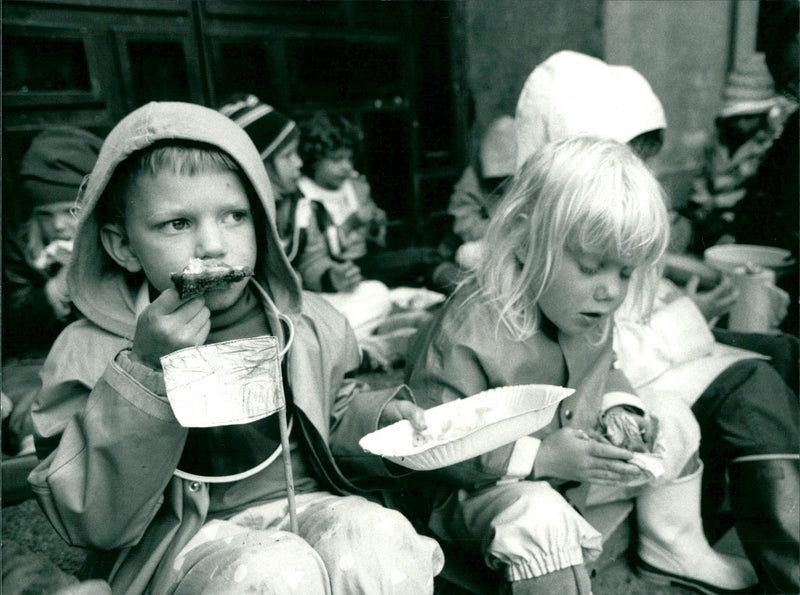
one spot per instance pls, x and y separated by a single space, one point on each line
313 243
745 128
480 188
35 298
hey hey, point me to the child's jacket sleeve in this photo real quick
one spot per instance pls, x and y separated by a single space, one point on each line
106 453
470 216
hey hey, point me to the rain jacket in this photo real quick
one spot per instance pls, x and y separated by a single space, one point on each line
106 436
467 350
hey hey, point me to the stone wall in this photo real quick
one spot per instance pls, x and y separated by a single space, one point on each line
683 47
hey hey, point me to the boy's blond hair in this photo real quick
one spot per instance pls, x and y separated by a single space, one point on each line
177 157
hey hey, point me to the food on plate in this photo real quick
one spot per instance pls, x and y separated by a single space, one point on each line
453 428
201 275
629 430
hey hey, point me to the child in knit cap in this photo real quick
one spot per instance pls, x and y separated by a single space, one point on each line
745 128
311 240
304 225
36 304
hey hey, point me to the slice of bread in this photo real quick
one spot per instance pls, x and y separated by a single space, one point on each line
199 276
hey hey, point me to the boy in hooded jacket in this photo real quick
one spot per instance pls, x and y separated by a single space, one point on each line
204 509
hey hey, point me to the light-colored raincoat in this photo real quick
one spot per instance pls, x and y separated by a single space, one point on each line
106 435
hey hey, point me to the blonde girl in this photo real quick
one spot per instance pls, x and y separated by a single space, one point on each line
582 221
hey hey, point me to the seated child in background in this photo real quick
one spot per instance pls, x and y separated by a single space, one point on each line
748 122
581 220
672 354
36 303
178 508
328 143
306 232
477 193
302 222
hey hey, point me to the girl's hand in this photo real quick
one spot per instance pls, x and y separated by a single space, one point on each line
576 455
169 324
398 409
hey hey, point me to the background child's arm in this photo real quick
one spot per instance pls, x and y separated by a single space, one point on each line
369 215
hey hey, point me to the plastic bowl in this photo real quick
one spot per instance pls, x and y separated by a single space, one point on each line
728 257
465 428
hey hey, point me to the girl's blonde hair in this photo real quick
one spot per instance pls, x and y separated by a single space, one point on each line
579 193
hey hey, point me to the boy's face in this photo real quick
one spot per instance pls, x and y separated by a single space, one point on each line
286 167
585 291
172 218
334 169
56 221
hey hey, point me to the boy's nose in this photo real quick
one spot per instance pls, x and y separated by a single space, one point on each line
209 242
297 161
62 220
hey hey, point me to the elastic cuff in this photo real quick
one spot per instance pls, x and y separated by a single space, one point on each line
539 565
152 380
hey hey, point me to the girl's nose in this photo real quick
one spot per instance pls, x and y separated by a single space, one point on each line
609 288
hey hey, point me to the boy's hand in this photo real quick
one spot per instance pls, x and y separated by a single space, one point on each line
345 276
576 455
399 409
169 324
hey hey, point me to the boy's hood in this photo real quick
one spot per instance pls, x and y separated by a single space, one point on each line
571 94
97 285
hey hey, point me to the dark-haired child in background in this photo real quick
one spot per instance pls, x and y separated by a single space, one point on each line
328 145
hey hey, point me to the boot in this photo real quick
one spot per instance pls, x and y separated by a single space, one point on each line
765 497
672 547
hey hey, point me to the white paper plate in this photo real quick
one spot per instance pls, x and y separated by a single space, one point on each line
466 428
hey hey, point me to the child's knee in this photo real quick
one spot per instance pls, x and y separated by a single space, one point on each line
352 518
365 547
272 562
